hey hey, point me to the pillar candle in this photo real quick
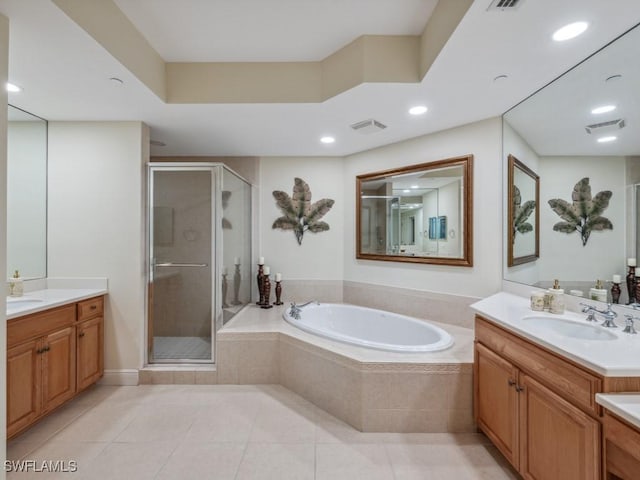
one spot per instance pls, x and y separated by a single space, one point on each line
631 262
261 261
266 270
616 278
278 277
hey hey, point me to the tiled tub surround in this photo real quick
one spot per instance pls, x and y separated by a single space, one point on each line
373 391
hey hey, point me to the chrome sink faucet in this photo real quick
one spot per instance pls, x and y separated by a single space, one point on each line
629 324
608 315
295 310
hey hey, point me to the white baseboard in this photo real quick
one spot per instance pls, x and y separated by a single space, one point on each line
126 377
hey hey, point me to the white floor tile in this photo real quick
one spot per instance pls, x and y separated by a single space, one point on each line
240 432
277 462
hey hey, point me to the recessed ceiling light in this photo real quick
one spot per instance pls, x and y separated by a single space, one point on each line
607 139
500 78
414 186
613 78
327 139
157 143
418 110
406 191
570 31
13 88
603 109
116 81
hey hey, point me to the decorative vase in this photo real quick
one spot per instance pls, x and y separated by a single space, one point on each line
260 278
266 287
278 293
237 277
631 284
615 292
224 291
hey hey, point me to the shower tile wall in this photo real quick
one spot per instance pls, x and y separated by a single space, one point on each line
181 237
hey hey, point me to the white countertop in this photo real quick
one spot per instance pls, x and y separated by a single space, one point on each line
624 405
39 300
253 319
619 357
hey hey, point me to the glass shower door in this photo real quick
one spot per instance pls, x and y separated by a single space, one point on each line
180 283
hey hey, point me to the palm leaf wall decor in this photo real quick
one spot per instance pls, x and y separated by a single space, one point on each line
521 213
300 214
584 214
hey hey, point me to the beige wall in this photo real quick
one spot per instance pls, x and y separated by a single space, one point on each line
320 255
4 62
483 140
96 223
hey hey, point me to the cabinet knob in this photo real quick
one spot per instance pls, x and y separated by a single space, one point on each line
93 307
81 335
512 382
519 389
39 351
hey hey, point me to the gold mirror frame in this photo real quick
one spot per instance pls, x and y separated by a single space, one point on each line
514 164
466 222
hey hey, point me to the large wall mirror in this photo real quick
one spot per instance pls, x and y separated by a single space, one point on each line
581 135
26 194
417 214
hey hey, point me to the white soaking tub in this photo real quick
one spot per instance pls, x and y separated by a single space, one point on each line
367 327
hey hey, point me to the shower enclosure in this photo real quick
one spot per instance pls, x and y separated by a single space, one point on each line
199 275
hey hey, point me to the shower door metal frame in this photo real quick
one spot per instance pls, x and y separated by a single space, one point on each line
216 236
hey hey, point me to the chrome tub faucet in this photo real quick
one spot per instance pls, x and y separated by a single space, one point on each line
295 310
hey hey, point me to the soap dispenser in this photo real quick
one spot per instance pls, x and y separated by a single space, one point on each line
15 285
598 292
556 298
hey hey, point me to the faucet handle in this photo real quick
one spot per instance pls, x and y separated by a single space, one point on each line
586 307
629 324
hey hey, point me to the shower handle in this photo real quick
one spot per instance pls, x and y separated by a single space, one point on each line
172 264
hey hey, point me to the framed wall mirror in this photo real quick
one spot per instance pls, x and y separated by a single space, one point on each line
580 134
523 217
417 214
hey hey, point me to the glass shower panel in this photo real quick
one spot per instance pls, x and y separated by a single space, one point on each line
180 306
236 245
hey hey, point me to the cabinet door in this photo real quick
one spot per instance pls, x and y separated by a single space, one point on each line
24 366
496 401
59 367
557 440
90 352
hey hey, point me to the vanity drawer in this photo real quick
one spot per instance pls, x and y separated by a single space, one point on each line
567 380
93 307
38 324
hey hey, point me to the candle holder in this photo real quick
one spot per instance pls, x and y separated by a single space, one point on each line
631 284
615 292
237 277
224 291
266 287
260 278
278 293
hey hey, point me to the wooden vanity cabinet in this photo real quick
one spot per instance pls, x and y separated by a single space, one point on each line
41 364
50 357
90 342
621 449
535 407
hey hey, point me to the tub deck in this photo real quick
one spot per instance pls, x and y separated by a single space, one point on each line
373 390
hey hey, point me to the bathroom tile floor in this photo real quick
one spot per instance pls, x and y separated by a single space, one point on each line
241 432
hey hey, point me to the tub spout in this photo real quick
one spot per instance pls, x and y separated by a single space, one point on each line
296 309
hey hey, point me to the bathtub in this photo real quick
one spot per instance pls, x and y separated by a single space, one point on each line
367 327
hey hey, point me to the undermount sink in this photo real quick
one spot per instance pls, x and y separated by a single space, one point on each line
570 329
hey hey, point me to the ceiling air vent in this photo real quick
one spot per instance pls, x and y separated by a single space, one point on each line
605 126
504 5
368 126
